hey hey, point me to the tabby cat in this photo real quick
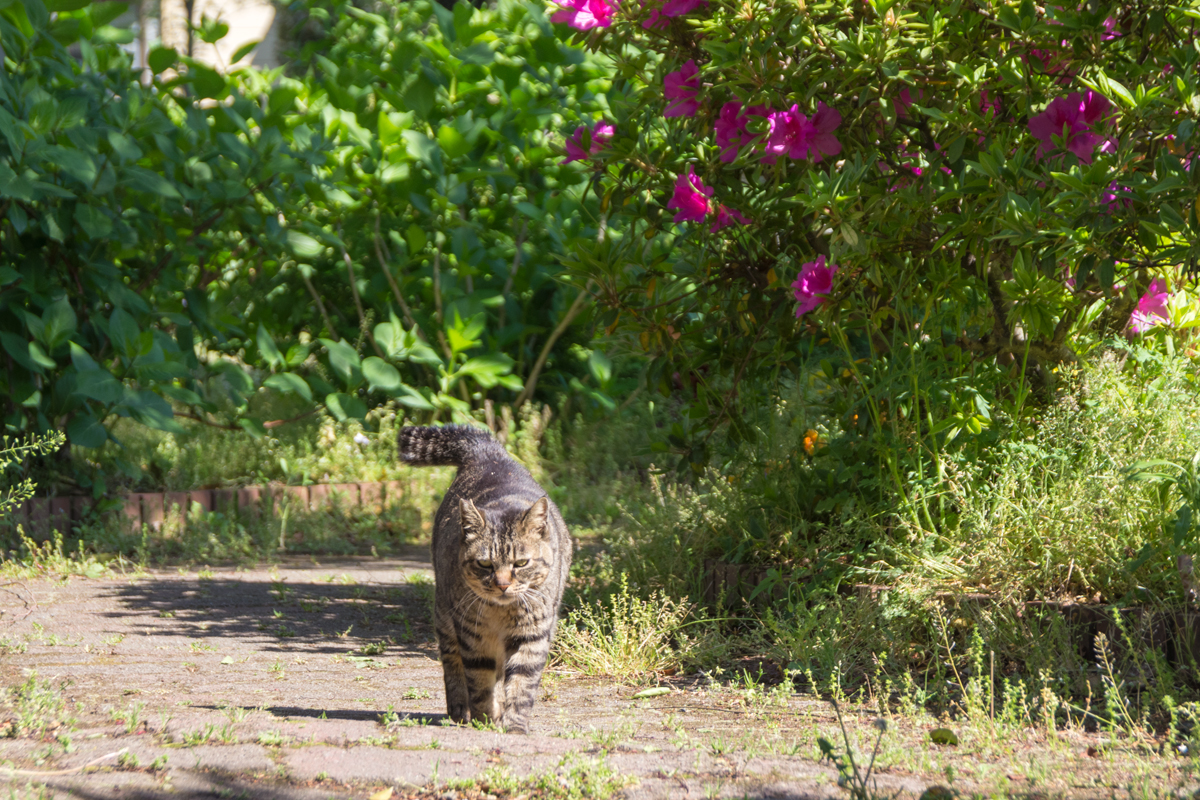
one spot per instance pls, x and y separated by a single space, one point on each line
501 552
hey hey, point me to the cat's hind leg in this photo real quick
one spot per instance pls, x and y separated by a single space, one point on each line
457 705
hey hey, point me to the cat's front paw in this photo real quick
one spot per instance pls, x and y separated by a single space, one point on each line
514 724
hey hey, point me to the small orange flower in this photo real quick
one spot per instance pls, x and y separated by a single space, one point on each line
810 441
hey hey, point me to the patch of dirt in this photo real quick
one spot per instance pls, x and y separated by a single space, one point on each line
319 678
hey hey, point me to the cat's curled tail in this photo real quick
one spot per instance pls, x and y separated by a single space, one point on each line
449 445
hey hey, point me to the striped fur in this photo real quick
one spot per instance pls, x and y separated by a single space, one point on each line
501 553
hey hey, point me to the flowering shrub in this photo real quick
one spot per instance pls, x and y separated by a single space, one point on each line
950 159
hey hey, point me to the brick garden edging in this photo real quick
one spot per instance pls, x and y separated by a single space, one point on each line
40 515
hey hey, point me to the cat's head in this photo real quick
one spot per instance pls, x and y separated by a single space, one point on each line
507 557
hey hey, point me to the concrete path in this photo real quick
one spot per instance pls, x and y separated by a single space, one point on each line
319 679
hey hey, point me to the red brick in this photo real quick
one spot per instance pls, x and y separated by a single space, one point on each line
152 510
39 518
319 495
80 506
225 501
393 493
133 512
202 496
249 502
371 497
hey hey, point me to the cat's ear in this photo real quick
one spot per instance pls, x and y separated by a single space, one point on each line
534 521
473 522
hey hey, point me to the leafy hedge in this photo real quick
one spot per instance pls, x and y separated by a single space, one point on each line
382 227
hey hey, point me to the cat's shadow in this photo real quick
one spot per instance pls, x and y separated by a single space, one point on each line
414 717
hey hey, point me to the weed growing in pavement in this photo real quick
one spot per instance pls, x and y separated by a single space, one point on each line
130 718
624 637
37 708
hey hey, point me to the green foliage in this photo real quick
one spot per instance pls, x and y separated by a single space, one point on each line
954 227
12 455
381 228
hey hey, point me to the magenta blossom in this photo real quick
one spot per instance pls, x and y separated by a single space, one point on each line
656 21
599 138
1071 118
1116 197
677 8
989 102
691 198
731 128
813 283
905 99
797 136
727 216
680 87
1151 308
585 14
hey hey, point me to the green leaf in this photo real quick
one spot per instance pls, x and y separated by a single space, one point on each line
303 245
243 51
95 221
421 146
54 6
58 323
162 58
104 13
266 346
153 412
381 375
207 81
657 691
143 180
123 331
452 142
19 349
345 362
98 384
943 736
253 427
415 238
288 383
87 431
344 406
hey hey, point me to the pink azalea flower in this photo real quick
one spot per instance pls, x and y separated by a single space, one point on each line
989 102
1151 308
599 138
585 14
1115 197
730 128
902 101
727 216
1110 30
812 284
677 8
797 136
656 21
680 87
691 198
1071 118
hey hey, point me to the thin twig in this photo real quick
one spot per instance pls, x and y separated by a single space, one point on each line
512 273
274 423
572 312
387 273
320 307
437 305
362 318
35 773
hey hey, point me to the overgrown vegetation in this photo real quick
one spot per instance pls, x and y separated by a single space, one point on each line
908 501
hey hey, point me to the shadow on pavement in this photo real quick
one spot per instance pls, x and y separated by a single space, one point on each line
319 617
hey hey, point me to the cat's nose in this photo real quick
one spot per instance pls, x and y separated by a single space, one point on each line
504 579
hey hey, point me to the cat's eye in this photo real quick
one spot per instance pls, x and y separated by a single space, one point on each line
521 563
486 563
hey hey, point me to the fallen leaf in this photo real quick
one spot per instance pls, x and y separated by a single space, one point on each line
382 794
657 691
943 736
